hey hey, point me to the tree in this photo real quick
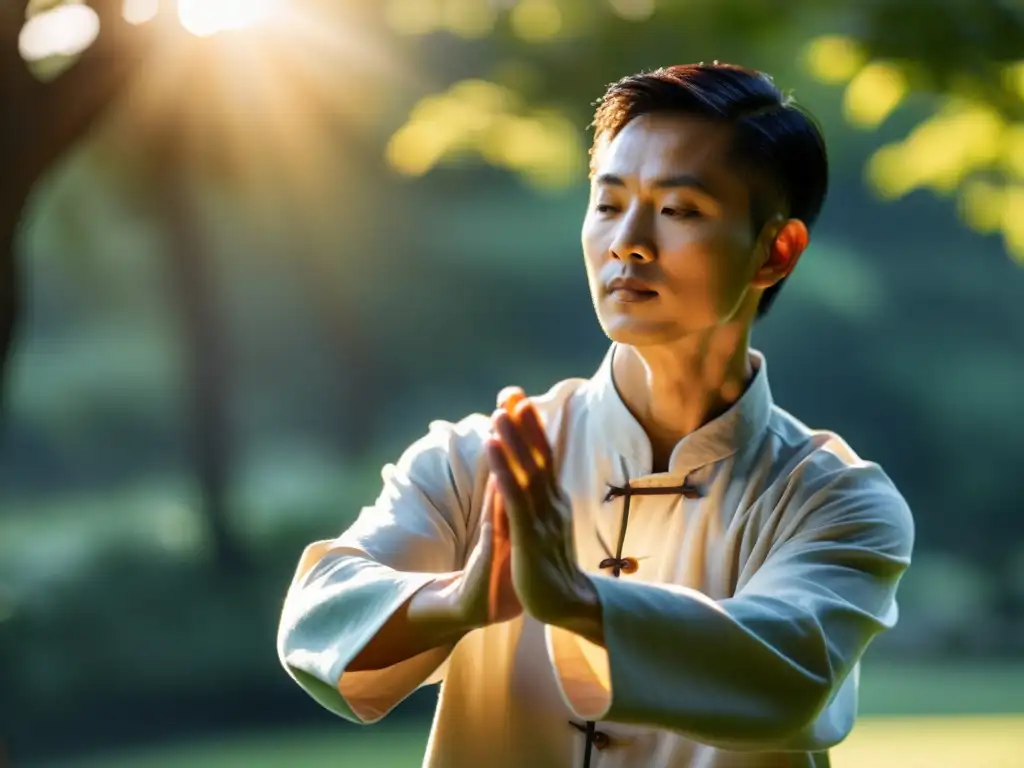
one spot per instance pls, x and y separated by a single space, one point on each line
964 56
42 121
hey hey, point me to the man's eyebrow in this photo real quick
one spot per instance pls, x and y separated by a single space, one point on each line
669 182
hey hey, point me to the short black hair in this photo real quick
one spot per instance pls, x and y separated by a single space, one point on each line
778 143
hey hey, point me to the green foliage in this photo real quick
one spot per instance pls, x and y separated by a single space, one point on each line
554 55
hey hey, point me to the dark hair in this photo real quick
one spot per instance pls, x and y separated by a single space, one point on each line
778 144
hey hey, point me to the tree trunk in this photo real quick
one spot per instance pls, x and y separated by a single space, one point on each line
204 339
41 121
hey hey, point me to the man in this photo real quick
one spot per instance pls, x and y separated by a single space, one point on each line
655 567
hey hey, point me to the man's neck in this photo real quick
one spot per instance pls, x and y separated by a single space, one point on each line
675 389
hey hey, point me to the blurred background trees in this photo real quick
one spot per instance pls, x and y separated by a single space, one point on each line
257 263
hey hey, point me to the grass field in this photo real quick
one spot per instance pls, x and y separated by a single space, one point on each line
948 717
927 742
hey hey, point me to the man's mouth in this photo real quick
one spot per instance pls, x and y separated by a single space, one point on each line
632 295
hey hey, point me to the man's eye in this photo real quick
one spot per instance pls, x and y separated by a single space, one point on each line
605 208
682 213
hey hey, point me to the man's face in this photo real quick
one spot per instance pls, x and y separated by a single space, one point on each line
669 210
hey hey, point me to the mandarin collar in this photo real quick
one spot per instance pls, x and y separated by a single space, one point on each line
720 438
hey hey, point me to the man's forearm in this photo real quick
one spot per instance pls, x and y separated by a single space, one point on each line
424 622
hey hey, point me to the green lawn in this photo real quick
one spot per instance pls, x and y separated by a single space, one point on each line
976 741
380 747
936 717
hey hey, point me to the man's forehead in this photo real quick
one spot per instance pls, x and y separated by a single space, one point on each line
664 145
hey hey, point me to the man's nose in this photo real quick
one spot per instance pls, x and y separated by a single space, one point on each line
633 242
634 249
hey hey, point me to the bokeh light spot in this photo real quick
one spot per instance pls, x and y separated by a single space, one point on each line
536 20
208 17
471 19
633 10
873 94
833 59
413 17
140 11
64 31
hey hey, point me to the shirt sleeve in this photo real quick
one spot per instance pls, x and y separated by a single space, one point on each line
344 590
773 667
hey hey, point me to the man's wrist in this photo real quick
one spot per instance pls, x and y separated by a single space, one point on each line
436 609
584 614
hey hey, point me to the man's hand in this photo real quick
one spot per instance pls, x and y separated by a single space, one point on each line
482 592
550 585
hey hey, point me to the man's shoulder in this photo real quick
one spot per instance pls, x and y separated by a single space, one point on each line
815 460
822 482
464 438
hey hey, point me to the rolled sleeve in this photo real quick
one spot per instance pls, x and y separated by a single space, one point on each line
346 589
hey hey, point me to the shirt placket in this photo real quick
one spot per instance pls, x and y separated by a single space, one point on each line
618 564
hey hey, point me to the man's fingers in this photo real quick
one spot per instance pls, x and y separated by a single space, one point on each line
501 549
530 427
491 495
518 451
494 515
524 415
499 520
510 397
514 500
501 468
490 492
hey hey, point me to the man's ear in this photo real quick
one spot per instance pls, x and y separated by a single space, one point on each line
787 240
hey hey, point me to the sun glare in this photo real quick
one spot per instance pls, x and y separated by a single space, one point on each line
64 31
67 30
260 109
140 11
207 17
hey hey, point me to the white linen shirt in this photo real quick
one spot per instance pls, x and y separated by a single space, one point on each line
734 644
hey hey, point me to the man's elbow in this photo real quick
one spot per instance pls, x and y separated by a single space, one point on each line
805 722
783 723
805 711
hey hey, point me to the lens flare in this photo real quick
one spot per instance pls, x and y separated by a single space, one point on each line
64 31
208 17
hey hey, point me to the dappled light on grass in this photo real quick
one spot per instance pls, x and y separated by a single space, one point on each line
933 742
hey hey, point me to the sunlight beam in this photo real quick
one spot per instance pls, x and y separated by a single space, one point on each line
208 17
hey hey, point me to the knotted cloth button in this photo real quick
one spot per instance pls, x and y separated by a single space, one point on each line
600 739
624 564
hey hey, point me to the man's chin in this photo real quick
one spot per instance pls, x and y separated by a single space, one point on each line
638 332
